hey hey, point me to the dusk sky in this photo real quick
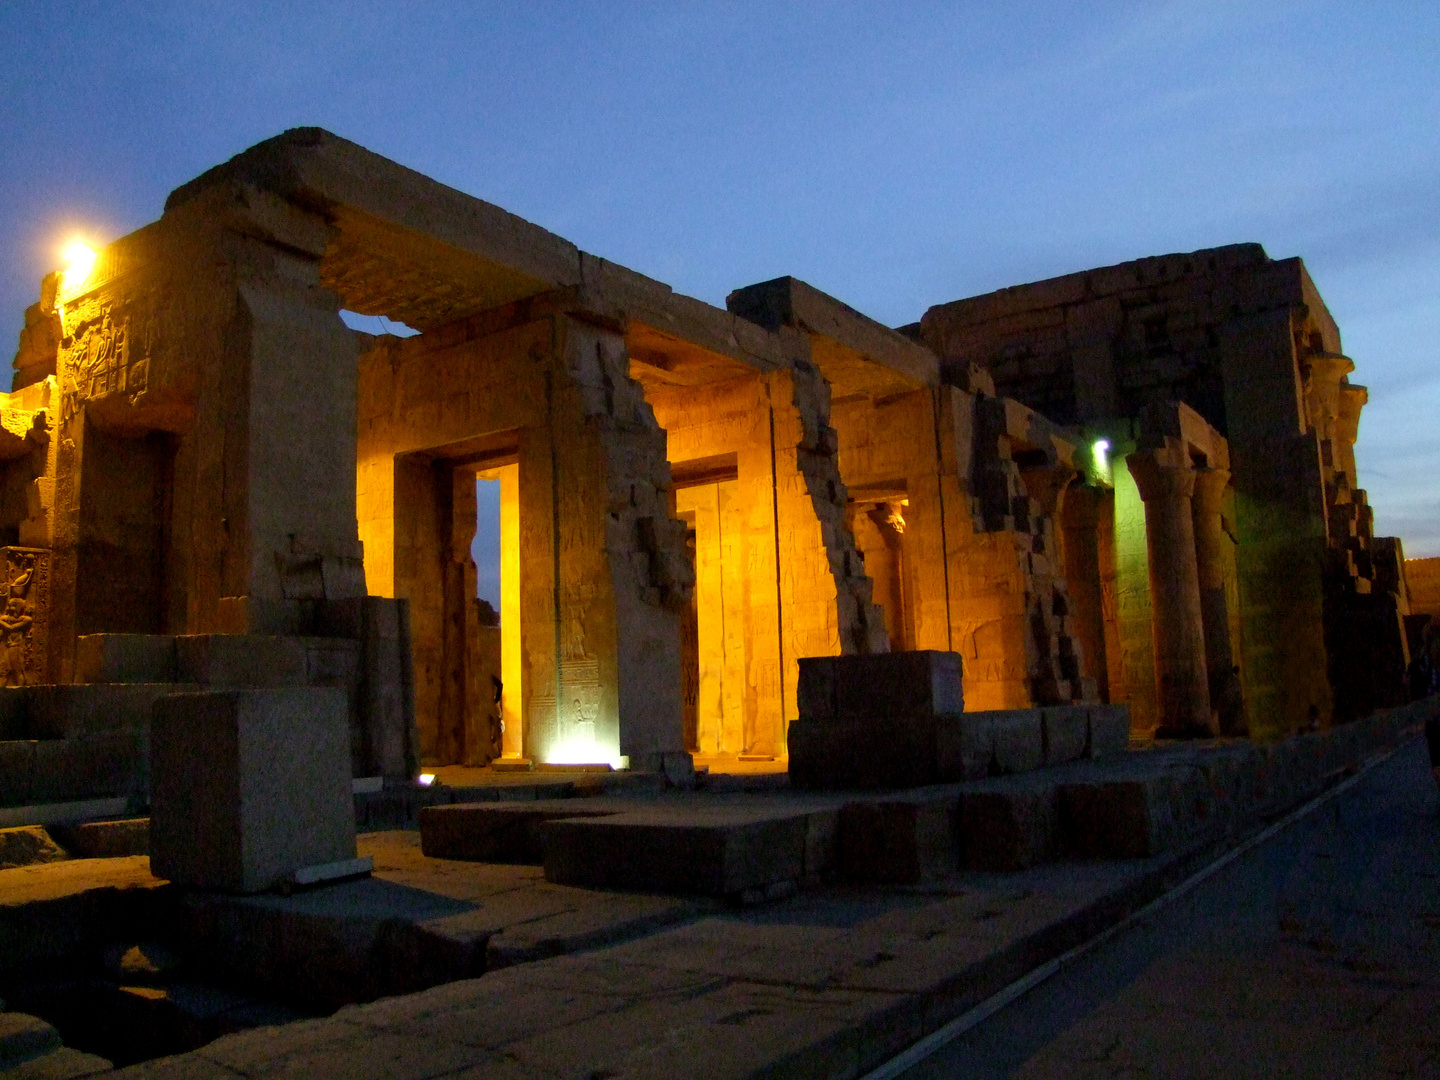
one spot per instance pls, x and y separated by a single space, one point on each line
895 155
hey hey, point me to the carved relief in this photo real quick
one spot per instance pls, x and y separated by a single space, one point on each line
24 616
108 358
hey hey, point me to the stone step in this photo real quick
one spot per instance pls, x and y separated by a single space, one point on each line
38 773
499 832
740 853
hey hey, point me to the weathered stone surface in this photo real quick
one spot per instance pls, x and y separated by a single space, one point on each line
1007 823
27 845
66 1063
897 841
1135 813
125 658
495 832
106 839
250 786
241 660
1109 729
965 746
1019 740
1066 732
709 853
879 752
919 685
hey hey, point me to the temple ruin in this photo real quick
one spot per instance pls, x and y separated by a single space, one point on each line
1131 485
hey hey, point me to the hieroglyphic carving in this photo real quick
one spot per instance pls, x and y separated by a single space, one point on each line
24 616
109 358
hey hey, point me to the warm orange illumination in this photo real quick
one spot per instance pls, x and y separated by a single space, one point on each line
79 262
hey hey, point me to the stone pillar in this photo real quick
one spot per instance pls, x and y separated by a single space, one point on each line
1080 526
1210 541
1177 623
1347 426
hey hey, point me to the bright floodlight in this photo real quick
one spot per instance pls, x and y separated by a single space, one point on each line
426 779
1101 450
79 261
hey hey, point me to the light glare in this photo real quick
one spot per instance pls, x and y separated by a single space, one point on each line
79 262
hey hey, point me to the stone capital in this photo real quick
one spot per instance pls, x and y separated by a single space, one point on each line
1210 487
1158 477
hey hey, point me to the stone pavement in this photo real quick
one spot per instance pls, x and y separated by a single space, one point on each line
829 983
1315 955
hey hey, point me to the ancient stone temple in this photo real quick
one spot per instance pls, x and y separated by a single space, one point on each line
1133 485
1285 555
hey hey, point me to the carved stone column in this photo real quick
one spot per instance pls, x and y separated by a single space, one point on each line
1210 541
1177 622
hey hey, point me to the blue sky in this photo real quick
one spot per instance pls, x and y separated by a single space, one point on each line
896 155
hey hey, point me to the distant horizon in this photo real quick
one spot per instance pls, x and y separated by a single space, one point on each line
894 157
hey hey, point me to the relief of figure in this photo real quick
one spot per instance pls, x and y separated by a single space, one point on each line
14 632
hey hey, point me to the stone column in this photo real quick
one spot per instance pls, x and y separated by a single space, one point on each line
1210 541
1177 623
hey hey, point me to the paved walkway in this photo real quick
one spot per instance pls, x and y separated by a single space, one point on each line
1315 955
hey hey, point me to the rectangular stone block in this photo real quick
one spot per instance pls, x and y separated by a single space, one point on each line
679 851
886 752
104 766
125 658
1007 823
921 684
499 832
897 841
1133 814
249 786
964 746
815 691
14 712
83 711
1019 740
241 660
1065 732
17 768
1109 730
105 839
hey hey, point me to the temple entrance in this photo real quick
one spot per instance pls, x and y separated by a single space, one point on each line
452 503
712 631
876 515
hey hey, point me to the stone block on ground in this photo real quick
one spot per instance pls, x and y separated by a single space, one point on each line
897 841
880 752
921 685
17 770
689 851
1019 740
499 832
242 660
27 845
250 786
62 711
609 922
964 746
1109 730
125 658
1134 812
1065 732
106 839
76 770
1007 823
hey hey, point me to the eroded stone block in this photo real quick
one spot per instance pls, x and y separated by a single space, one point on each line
680 851
125 658
965 746
1066 732
921 684
249 786
494 832
897 841
1007 823
1109 729
1019 740
258 660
